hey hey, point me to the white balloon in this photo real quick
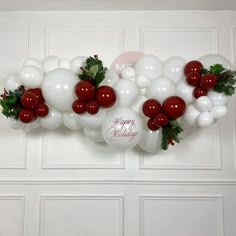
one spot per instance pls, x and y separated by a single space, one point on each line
128 72
58 89
205 119
30 126
151 141
191 114
33 62
52 121
150 65
211 59
50 63
138 104
15 124
218 99
160 89
64 63
143 81
126 92
11 83
76 63
173 68
110 78
219 112
92 121
185 91
94 134
122 128
70 121
203 103
30 76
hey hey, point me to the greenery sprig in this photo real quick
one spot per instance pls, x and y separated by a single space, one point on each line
10 102
93 71
170 134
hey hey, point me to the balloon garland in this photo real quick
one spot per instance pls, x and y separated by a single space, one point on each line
144 105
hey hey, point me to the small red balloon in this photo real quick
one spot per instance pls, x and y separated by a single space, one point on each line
92 107
79 107
174 107
85 90
151 125
161 120
27 115
192 66
208 81
29 100
199 91
151 107
105 96
41 110
38 93
193 78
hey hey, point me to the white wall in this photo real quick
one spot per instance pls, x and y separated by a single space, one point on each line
59 183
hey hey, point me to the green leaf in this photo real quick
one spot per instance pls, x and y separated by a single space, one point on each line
93 70
216 69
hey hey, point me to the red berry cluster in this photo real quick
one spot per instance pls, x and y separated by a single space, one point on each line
33 105
159 115
202 82
90 98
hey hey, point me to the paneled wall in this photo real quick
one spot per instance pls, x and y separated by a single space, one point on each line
60 183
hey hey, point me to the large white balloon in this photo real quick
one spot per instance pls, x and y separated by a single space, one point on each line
30 76
94 134
185 91
173 68
211 59
64 63
33 62
122 128
70 121
219 112
77 63
203 103
205 119
12 82
191 114
50 63
110 78
160 89
58 89
92 121
126 92
218 99
151 141
150 65
143 80
52 121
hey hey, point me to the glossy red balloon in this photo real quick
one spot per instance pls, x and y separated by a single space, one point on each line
105 96
29 100
193 78
208 81
199 91
174 107
38 93
151 107
160 120
92 107
151 125
192 66
27 115
84 90
79 107
41 110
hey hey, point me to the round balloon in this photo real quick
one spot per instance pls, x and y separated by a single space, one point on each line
58 89
70 121
205 119
191 114
77 63
203 103
211 59
64 63
185 91
33 62
110 78
219 112
50 63
52 121
218 99
122 128
11 83
143 81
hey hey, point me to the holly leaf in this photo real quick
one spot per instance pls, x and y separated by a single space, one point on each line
216 69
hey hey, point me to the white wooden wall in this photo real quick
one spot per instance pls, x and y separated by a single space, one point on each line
58 183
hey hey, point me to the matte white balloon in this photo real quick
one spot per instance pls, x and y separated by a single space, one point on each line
211 59
151 141
58 89
126 92
203 103
218 99
33 62
12 82
191 114
205 119
70 121
173 68
30 76
110 78
52 121
94 134
160 89
122 128
77 63
185 91
92 121
143 81
15 124
150 65
219 112
64 63
128 72
30 126
50 63
138 104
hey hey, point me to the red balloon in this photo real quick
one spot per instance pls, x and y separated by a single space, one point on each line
92 107
29 100
27 115
151 107
41 110
193 78
105 96
199 91
174 107
38 93
208 81
161 120
151 125
84 90
79 107
192 66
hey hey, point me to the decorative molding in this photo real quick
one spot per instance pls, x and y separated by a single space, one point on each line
47 165
21 199
44 198
192 197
